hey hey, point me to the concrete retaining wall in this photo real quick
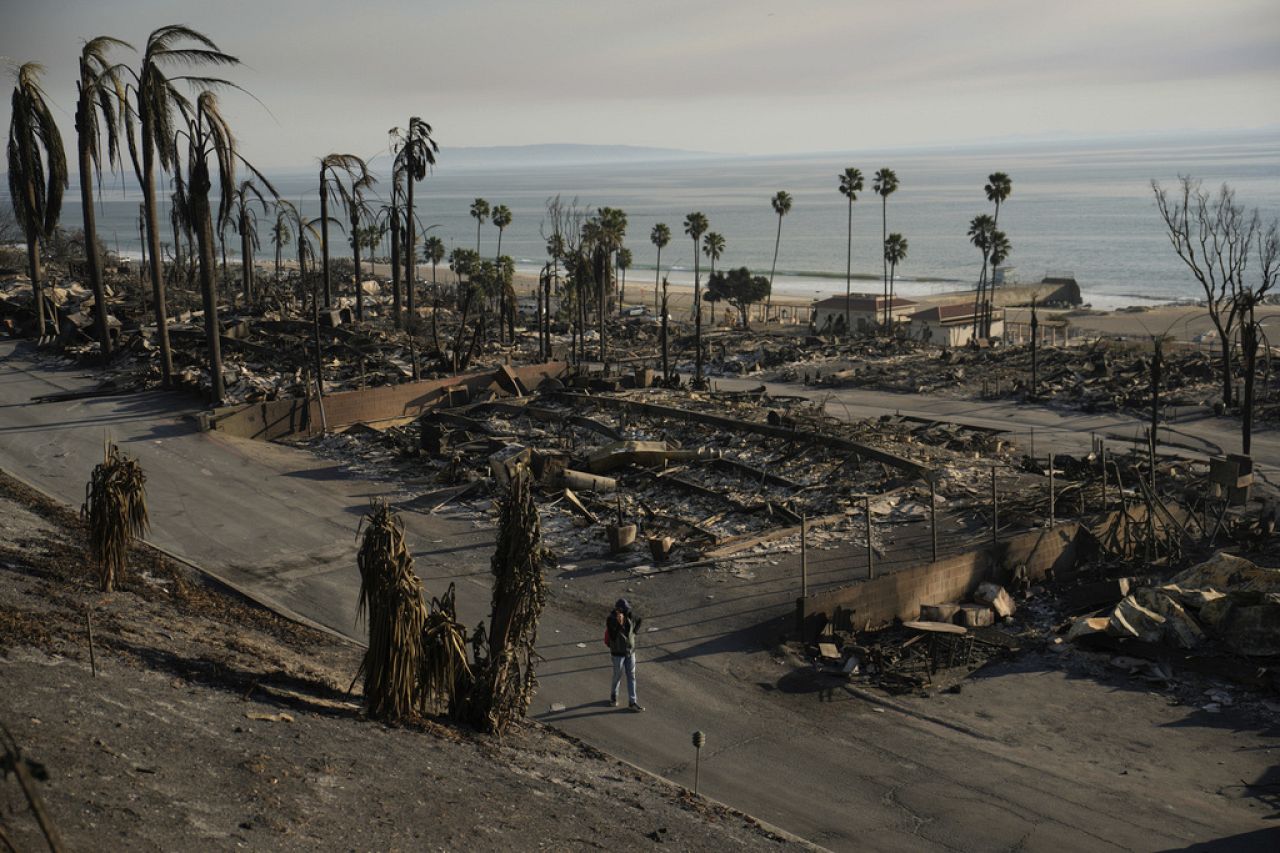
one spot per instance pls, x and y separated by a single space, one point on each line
875 603
280 418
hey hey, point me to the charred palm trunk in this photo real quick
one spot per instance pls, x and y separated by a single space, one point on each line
411 241
355 263
37 286
666 363
324 241
153 249
697 317
246 259
1249 343
203 223
91 242
395 267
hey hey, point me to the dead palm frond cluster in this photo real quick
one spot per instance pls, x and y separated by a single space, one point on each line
417 658
446 674
392 604
115 508
505 676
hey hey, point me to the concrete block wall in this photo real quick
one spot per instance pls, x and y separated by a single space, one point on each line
877 602
280 418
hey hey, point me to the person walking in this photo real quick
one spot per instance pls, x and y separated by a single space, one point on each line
620 636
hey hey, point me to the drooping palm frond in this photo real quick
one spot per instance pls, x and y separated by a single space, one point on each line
115 507
391 605
36 159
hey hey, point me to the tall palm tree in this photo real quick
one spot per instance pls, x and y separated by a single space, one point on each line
895 252
209 138
433 253
781 202
333 168
660 236
623 262
102 105
695 225
158 100
998 188
850 186
281 234
358 210
1000 250
37 173
609 229
479 212
885 184
981 229
416 150
501 218
713 248
245 224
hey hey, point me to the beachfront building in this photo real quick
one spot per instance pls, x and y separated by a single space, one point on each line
866 312
951 325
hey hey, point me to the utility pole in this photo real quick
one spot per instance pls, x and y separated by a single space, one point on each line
995 508
1035 326
1051 507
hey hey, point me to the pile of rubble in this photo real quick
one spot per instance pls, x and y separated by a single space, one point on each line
1227 600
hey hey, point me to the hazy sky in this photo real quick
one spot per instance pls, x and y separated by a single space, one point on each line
718 75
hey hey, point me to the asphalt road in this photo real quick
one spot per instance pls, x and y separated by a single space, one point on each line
281 524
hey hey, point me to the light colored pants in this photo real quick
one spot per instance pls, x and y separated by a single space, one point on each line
624 663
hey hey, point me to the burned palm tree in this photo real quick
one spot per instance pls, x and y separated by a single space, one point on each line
333 168
505 678
391 604
115 508
102 105
446 677
245 224
209 138
37 173
159 99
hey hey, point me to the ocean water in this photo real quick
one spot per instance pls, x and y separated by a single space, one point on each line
1085 209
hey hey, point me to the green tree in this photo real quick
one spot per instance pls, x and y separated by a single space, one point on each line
479 212
102 105
982 228
695 225
885 185
850 186
501 218
37 173
998 188
713 248
1000 250
740 289
433 253
781 202
623 262
895 252
660 236
158 100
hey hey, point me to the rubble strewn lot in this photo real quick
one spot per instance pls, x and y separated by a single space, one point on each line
706 470
215 724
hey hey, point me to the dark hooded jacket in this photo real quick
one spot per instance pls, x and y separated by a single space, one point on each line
621 639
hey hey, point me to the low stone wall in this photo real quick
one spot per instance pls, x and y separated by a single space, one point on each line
877 602
280 418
